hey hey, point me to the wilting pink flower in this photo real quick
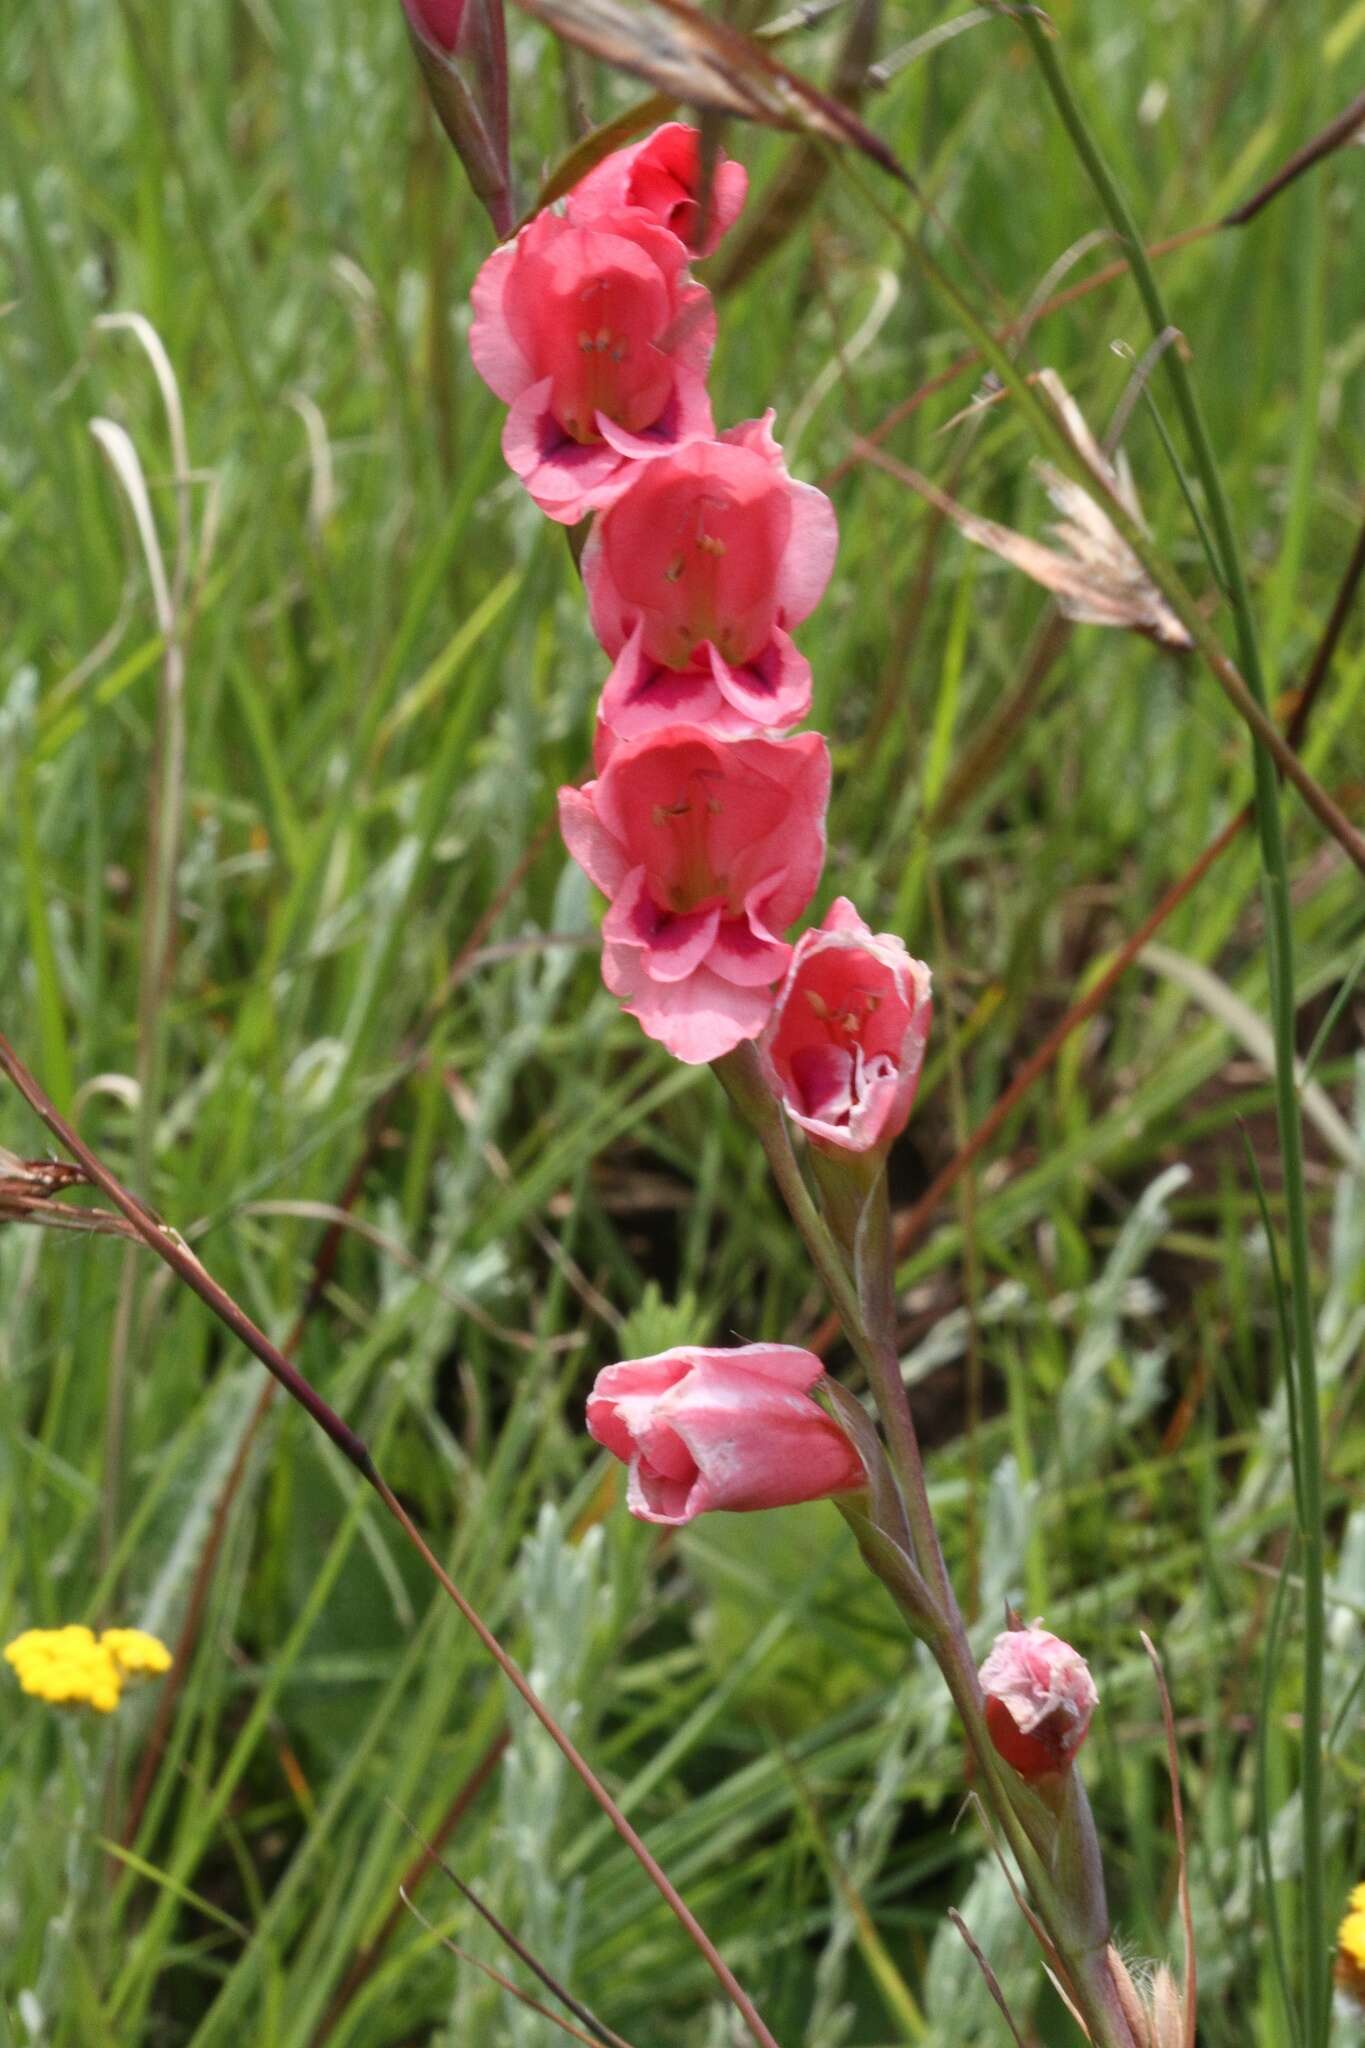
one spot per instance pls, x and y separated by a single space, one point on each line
440 21
845 1043
721 1429
694 576
599 341
663 177
708 849
1039 1699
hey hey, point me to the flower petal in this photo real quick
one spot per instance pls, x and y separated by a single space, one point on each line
672 947
809 558
498 357
697 1020
600 855
772 691
566 479
686 417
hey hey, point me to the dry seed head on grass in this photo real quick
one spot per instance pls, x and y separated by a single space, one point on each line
1094 575
1155 2013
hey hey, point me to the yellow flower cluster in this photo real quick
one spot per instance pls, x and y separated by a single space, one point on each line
72 1667
1351 1947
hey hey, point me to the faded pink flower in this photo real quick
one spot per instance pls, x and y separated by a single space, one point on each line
694 576
708 849
1039 1699
599 341
663 176
844 1045
721 1429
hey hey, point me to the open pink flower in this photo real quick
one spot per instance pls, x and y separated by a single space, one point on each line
1039 1700
708 849
845 1043
694 577
663 177
721 1429
599 341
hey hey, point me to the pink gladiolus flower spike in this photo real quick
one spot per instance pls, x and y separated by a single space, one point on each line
845 1043
599 341
708 849
663 177
1039 1700
694 578
721 1429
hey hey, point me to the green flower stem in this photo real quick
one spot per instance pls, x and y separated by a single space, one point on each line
1279 924
874 1253
866 1310
742 1080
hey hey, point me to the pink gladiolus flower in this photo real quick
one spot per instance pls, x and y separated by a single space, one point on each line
844 1047
708 849
599 341
694 576
663 176
1039 1699
721 1429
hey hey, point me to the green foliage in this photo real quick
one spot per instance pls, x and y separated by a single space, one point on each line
388 670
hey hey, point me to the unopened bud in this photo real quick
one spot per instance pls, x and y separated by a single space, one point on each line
440 21
1039 1700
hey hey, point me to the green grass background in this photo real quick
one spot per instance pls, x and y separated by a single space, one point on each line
388 670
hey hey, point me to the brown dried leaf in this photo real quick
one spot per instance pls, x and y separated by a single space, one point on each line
1094 575
18 1206
686 55
28 1188
38 1177
1169 2027
991 1980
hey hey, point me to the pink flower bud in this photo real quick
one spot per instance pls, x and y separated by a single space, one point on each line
663 177
599 342
708 849
440 21
1039 1699
694 578
721 1429
845 1043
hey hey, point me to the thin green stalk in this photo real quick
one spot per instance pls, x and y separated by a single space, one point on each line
739 1075
865 1312
875 1268
1279 925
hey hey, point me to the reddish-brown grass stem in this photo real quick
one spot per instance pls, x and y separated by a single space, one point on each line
366 1960
324 1262
176 1254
